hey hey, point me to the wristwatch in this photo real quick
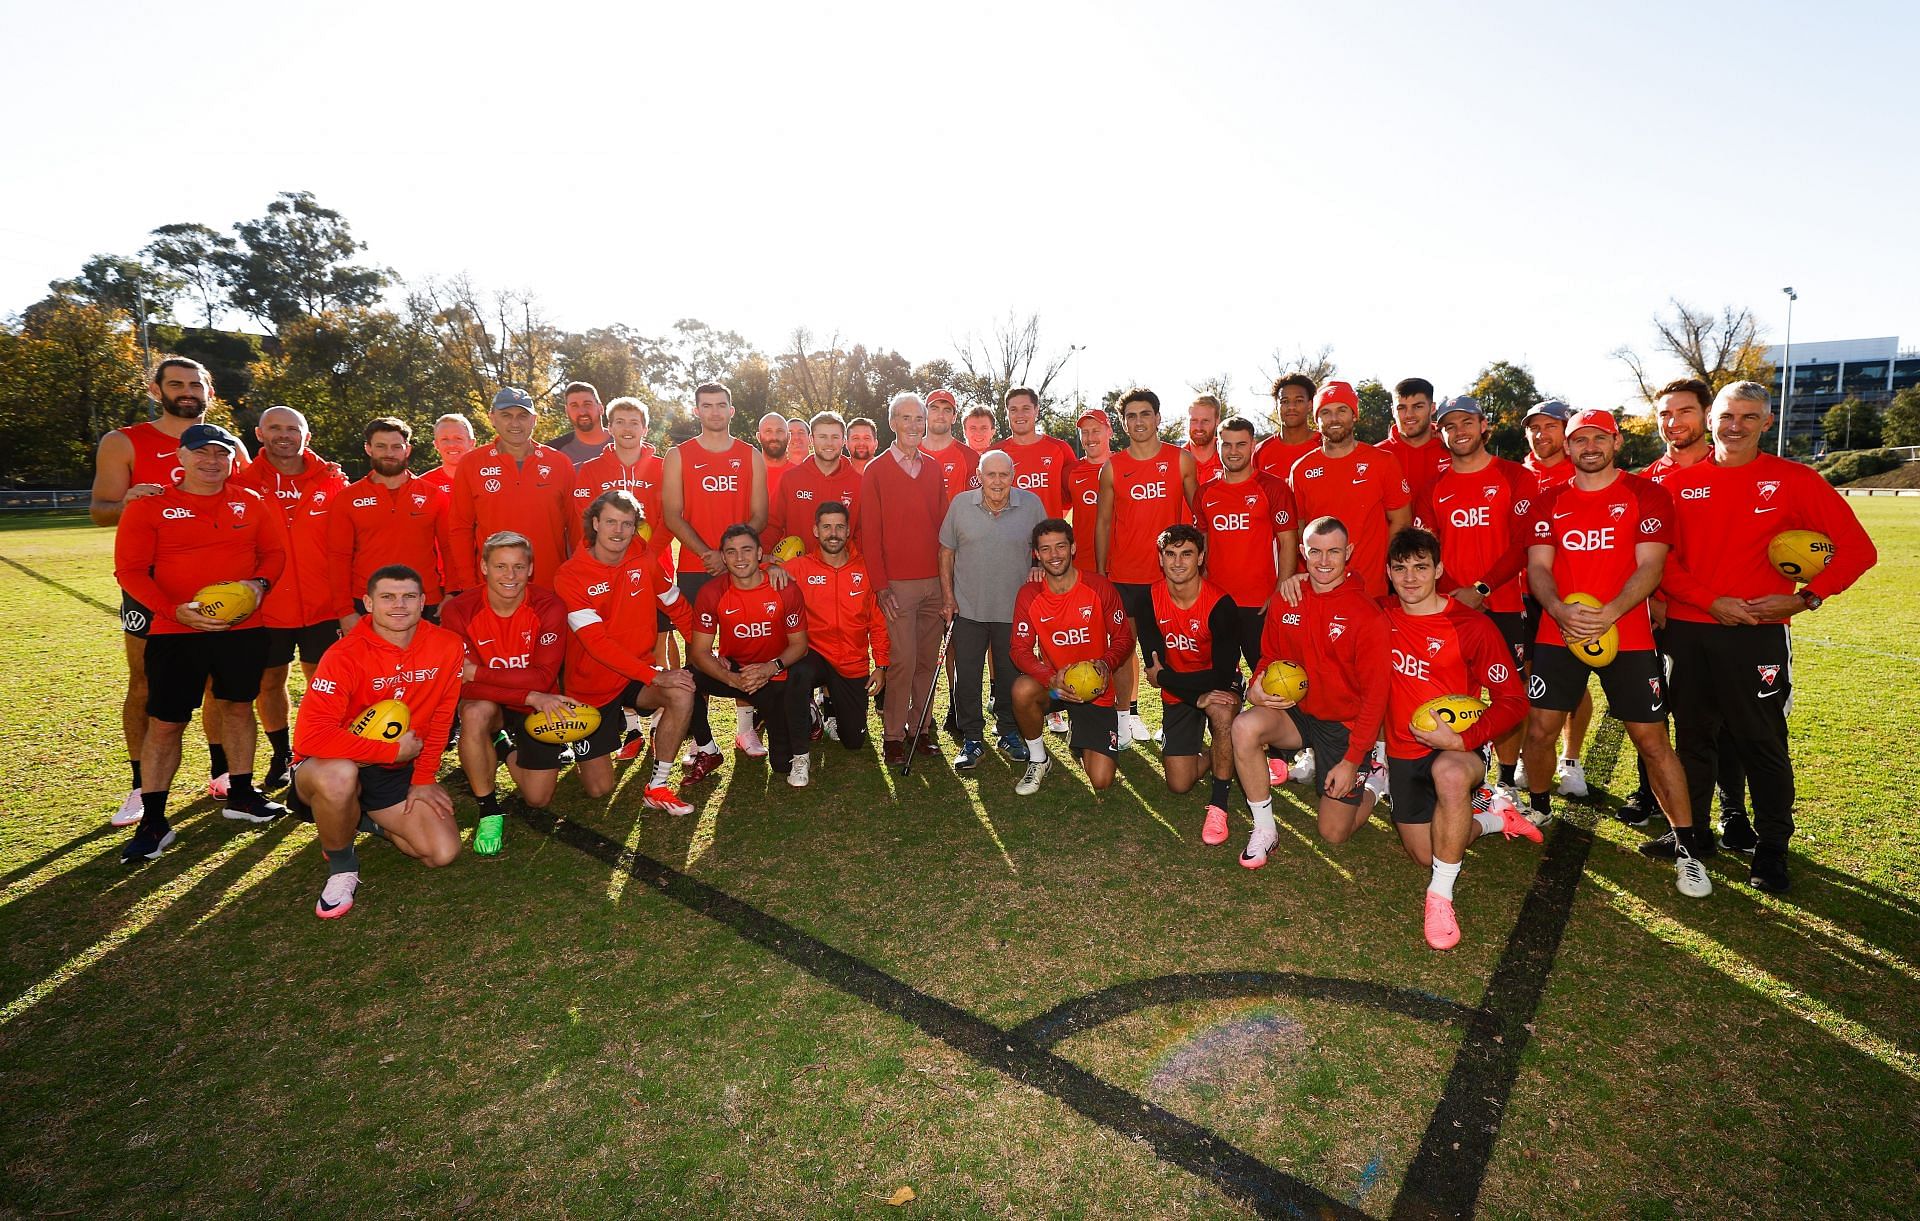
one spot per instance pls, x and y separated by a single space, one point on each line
1482 588
1811 599
778 668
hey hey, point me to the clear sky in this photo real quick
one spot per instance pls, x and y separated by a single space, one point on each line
1181 188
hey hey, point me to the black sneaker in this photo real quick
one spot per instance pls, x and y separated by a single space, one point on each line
1736 832
1770 871
254 808
1639 810
278 773
146 845
1667 847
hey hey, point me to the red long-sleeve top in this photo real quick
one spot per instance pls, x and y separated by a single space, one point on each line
518 653
1455 652
613 619
1340 638
363 668
900 516
170 546
373 526
843 620
307 501
493 492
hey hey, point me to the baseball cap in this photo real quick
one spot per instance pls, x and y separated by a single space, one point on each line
1552 407
1094 413
1337 392
1461 402
942 395
508 396
1594 417
199 436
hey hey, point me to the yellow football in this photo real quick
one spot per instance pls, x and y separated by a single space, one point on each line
1083 679
788 547
646 531
1596 653
568 723
1800 555
386 721
228 601
1454 711
1285 680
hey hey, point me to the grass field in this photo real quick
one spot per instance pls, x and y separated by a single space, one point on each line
1064 1006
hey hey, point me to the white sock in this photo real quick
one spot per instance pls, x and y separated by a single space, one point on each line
1263 816
706 748
743 716
1036 750
661 771
1443 878
1488 823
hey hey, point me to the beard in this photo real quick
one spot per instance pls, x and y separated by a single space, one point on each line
184 406
774 448
390 467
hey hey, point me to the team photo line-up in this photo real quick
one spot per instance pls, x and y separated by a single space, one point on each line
1411 624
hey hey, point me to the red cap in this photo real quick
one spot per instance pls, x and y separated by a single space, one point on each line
1337 392
1594 417
942 395
1094 413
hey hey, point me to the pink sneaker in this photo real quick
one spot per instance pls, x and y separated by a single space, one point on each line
748 743
1443 930
1512 821
218 786
1214 830
1277 771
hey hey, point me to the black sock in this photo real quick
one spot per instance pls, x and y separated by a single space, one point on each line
1220 789
135 765
216 760
281 747
153 812
1506 774
369 827
239 789
1540 803
1134 707
489 803
343 860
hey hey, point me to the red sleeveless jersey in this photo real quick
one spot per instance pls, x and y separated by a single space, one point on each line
1187 631
1148 496
716 490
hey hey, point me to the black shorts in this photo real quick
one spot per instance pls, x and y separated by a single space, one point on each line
691 580
662 623
381 788
1138 601
180 663
135 619
1514 630
534 755
1328 740
1635 683
1184 728
310 642
1091 726
1410 783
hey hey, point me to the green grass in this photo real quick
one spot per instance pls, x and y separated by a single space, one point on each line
541 1034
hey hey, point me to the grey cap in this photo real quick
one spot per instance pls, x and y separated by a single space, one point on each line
199 436
511 397
1552 407
1460 402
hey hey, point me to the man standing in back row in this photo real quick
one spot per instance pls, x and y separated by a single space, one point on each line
1040 462
903 499
589 435
514 484
1293 407
1413 441
1360 484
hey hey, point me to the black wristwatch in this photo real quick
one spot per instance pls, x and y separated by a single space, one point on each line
1811 599
1482 588
779 667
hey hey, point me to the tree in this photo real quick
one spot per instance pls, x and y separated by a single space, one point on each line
490 341
1901 424
293 263
702 354
1851 425
1506 391
812 379
117 283
1717 349
191 254
1640 441
1376 411
67 375
1009 357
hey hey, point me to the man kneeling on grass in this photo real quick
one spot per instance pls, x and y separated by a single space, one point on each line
1440 647
347 783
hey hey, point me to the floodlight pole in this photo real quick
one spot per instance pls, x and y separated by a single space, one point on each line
1786 374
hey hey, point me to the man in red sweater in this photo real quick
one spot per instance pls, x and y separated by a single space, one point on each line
903 500
199 530
349 783
844 628
515 484
1339 635
1728 610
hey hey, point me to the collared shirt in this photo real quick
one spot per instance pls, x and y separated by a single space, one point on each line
992 552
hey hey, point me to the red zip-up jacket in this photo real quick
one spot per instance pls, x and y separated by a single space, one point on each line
308 501
492 492
363 668
1340 637
803 489
613 613
169 547
1728 515
373 526
843 619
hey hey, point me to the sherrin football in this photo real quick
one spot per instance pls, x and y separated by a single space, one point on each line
568 723
1596 653
1455 711
1285 680
228 601
1800 555
1083 679
386 721
788 547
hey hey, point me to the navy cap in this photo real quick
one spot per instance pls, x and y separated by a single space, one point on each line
199 436
1461 402
511 397
1552 407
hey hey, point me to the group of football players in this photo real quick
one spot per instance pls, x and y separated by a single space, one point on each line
1410 624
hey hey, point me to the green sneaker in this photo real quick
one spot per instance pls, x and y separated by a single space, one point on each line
488 835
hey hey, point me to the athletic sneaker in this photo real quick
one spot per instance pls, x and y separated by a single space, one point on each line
1770 871
1057 722
1214 830
490 834
257 809
145 846
969 755
662 798
748 742
1690 876
632 748
1514 824
1277 772
797 771
1302 768
1037 770
1736 832
279 771
699 765
1573 780
1012 746
1669 846
1258 845
218 786
1639 810
830 726
1482 799
1123 740
1442 927
336 897
1520 773
1376 783
131 811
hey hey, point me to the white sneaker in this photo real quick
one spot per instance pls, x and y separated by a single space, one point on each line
1376 783
1259 844
1500 801
1520 774
1125 722
749 743
1036 772
129 812
1301 770
1573 781
1056 722
1690 876
219 785
336 898
797 772
831 727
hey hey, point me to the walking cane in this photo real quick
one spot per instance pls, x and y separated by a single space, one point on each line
926 713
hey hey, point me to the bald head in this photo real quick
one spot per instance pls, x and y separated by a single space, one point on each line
282 433
771 432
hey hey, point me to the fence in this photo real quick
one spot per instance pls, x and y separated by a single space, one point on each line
43 501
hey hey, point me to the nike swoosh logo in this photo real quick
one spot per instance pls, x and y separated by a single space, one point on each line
1358 482
1760 510
1561 516
1765 694
483 642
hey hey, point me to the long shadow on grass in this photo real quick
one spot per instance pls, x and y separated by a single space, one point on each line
53 854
